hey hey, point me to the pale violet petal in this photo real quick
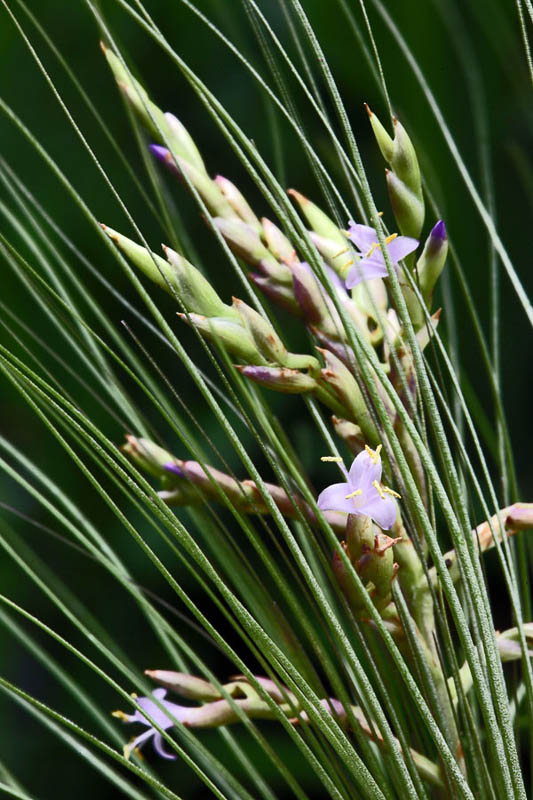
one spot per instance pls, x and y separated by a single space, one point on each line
334 498
364 471
401 247
362 236
383 510
366 270
160 749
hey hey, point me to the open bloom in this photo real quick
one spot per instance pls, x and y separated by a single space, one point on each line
157 714
362 493
372 264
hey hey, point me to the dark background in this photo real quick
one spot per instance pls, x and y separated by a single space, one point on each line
438 38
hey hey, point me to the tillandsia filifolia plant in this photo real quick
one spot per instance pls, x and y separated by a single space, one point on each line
313 538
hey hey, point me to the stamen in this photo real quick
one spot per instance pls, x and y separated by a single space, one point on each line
374 454
341 252
390 491
379 490
374 246
335 459
380 213
353 494
134 695
391 238
120 715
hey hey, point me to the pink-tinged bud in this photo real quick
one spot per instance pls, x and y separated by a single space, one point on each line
244 240
431 262
287 381
520 517
185 685
310 297
350 433
147 455
238 202
277 243
341 349
279 293
317 220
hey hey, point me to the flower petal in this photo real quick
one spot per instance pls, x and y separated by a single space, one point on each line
159 748
383 510
334 498
366 270
401 247
363 236
363 472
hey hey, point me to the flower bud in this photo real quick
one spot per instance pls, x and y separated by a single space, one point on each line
311 297
229 335
431 262
426 331
277 243
147 455
182 143
262 332
195 291
339 377
317 220
372 556
408 206
208 190
288 381
351 434
404 181
154 267
238 202
244 240
346 582
189 686
279 293
509 642
359 536
338 258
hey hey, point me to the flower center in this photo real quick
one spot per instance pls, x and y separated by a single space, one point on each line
377 246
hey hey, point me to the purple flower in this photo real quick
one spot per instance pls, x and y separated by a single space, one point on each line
362 494
372 264
157 714
170 466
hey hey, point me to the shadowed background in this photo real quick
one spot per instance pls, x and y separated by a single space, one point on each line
470 61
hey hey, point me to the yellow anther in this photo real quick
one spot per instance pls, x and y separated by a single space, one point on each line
379 490
134 695
341 252
390 491
374 454
335 459
120 715
380 213
373 246
348 264
353 494
128 749
391 238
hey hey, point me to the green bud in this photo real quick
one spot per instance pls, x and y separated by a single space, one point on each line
262 332
338 258
154 267
385 142
208 190
238 202
229 335
404 161
195 291
244 240
277 243
317 220
182 143
341 380
407 205
350 433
